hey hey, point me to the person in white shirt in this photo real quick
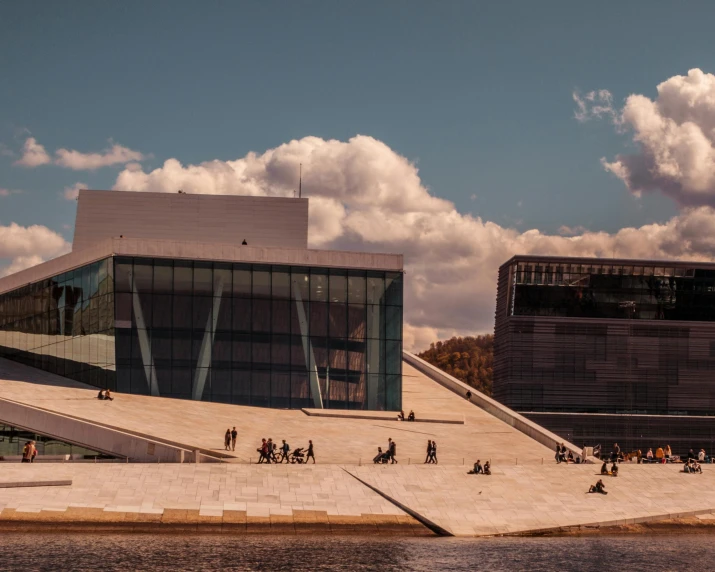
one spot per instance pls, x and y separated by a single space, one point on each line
701 455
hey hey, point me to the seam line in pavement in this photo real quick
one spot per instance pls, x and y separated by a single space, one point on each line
436 528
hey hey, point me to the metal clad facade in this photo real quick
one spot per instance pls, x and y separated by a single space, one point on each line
226 219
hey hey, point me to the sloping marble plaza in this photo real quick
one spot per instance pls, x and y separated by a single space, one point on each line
344 492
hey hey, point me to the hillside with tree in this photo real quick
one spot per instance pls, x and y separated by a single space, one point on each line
468 359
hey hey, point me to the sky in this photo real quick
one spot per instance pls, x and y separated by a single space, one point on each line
458 133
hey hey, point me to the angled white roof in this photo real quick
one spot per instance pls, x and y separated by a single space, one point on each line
201 251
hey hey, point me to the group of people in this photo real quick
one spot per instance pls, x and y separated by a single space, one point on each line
269 452
660 455
692 466
229 439
431 453
565 456
410 417
614 469
29 452
388 456
105 395
481 470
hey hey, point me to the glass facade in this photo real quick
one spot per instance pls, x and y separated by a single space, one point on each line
249 334
636 291
605 338
63 324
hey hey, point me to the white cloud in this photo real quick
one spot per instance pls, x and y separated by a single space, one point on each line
114 155
365 196
565 230
26 246
593 105
33 154
675 137
71 193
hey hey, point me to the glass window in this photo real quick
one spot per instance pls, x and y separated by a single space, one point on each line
183 277
203 279
338 286
356 288
280 284
241 282
261 284
300 284
375 287
163 277
222 280
318 286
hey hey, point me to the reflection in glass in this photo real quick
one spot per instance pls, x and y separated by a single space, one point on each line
275 336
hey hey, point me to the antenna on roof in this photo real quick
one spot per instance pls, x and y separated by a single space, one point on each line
300 182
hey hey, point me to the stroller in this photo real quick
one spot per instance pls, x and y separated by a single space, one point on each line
297 456
381 458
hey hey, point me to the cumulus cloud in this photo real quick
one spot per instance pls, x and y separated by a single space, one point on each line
593 105
25 246
675 137
71 193
365 196
34 155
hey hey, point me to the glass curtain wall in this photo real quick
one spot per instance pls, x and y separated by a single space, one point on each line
63 324
612 291
249 334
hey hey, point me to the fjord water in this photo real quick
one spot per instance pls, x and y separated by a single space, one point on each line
50 552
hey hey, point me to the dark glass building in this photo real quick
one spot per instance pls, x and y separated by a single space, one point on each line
606 351
263 326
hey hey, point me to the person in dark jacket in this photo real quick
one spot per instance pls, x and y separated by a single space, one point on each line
310 453
392 448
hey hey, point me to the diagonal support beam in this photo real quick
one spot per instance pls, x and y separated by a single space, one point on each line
144 342
307 348
204 361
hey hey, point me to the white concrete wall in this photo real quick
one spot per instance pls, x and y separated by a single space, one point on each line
90 435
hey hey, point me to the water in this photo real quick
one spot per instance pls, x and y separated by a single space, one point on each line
54 552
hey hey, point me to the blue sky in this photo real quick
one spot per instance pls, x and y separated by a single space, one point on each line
478 94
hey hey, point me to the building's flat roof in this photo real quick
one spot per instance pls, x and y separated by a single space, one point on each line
202 251
608 261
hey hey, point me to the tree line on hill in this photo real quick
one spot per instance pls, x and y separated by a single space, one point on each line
469 359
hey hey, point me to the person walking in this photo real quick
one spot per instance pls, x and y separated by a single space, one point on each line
434 452
227 440
265 457
285 449
26 453
234 435
392 447
310 453
428 458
